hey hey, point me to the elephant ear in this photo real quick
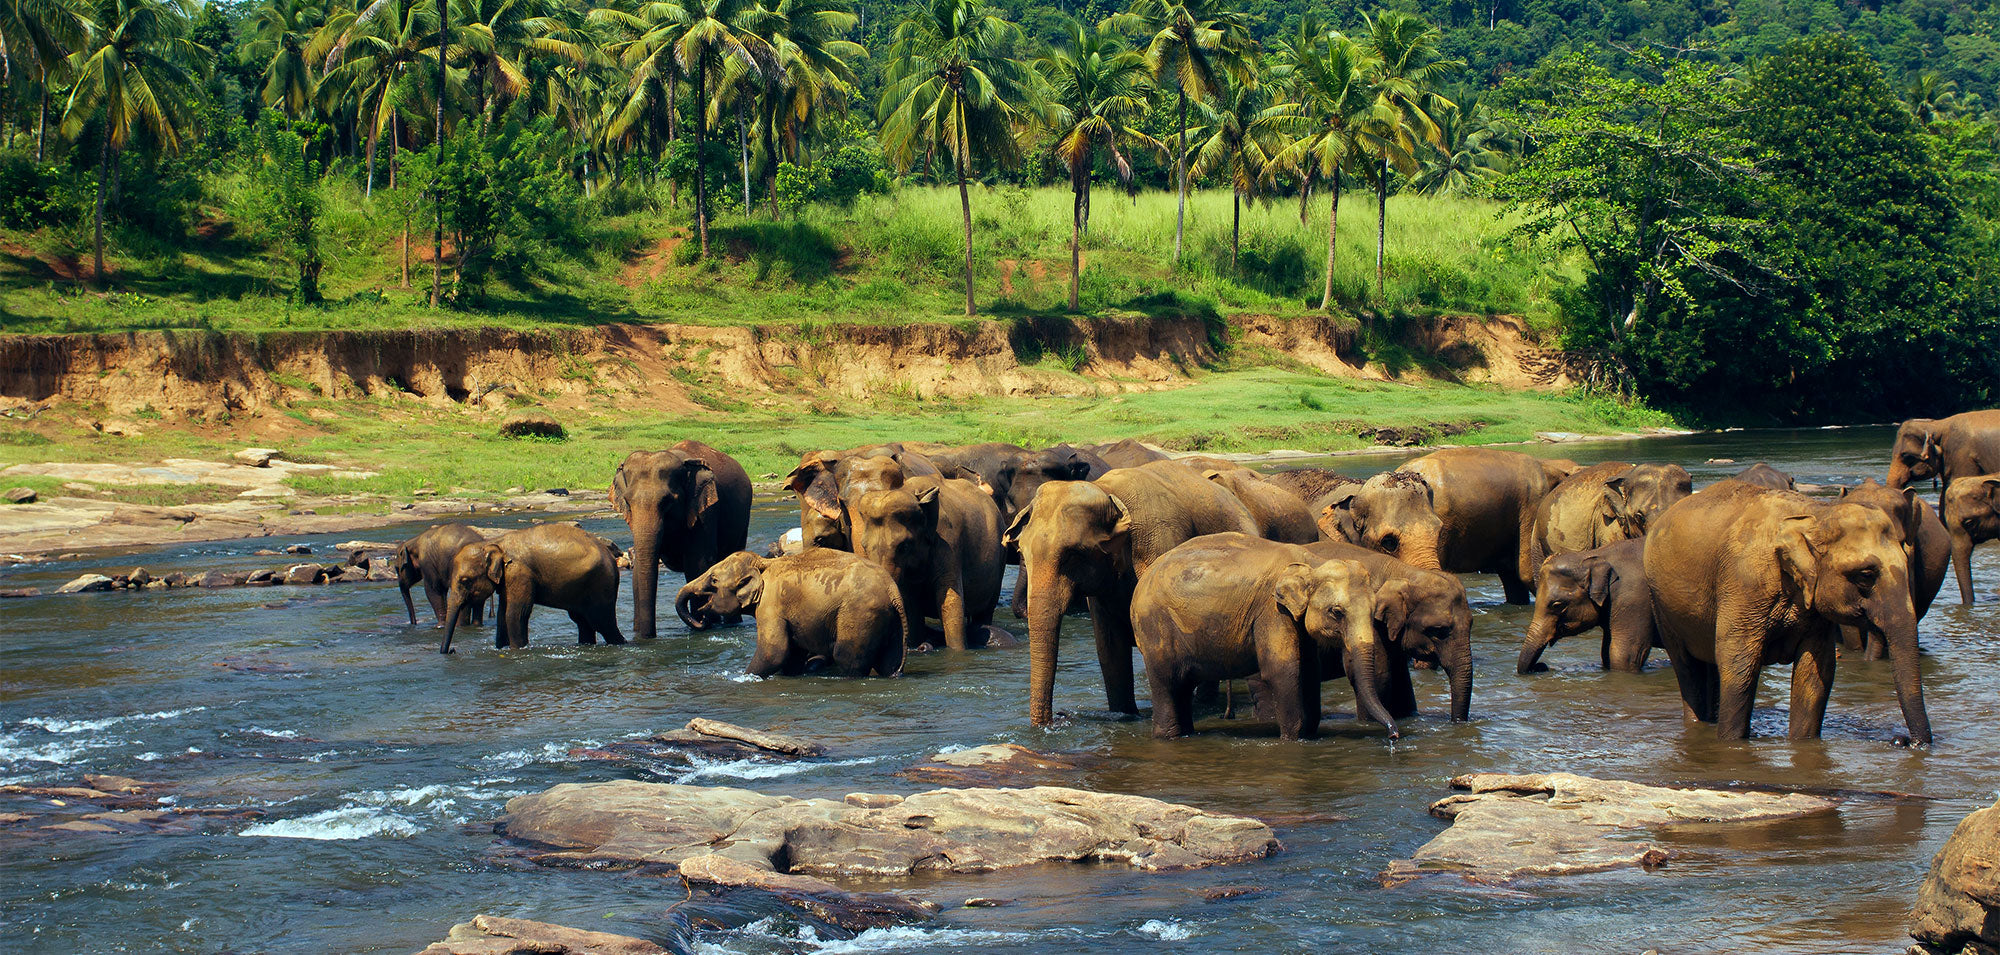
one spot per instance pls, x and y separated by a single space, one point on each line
1614 501
1294 589
1010 542
699 490
752 589
1599 584
928 502
1798 555
818 492
1992 486
496 566
1392 607
1121 526
1077 467
618 501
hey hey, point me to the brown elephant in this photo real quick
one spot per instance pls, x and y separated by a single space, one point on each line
1764 475
1972 517
939 538
1012 474
1599 589
822 607
1745 577
1603 504
1224 606
426 558
1311 484
1459 510
687 506
1423 617
554 565
1128 453
1097 539
1280 514
1926 542
826 480
1963 445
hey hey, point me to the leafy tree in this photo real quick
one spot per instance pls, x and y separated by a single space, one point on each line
1408 68
1473 147
1095 87
282 31
37 37
1335 107
370 55
1230 142
713 32
286 195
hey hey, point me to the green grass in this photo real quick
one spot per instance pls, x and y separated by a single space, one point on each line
884 260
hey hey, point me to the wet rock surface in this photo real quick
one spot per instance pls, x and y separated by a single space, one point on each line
1512 826
1958 905
105 804
705 739
997 762
493 935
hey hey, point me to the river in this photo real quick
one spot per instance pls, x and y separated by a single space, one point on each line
380 765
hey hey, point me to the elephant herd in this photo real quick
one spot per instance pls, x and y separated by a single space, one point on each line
1214 572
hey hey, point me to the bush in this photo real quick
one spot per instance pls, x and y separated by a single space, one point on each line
33 195
287 200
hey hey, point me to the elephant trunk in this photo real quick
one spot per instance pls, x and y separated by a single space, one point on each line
1899 631
1421 552
1899 474
455 609
646 573
1361 673
1457 662
1542 634
410 607
1961 563
684 604
1048 597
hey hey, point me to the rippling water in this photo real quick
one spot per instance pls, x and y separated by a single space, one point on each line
380 765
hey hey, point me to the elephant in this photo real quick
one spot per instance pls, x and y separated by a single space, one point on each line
826 480
1310 484
1601 588
1128 453
1603 504
554 565
1280 514
1972 516
1743 577
1229 605
1423 616
427 558
1011 473
687 506
1097 539
1926 541
1334 513
1963 445
1764 475
939 538
1459 510
821 607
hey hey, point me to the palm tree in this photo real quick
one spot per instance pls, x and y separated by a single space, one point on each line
814 78
497 36
281 33
1192 45
1231 141
38 35
137 69
1931 97
1326 124
1408 69
646 51
1095 85
369 55
1473 147
951 86
715 32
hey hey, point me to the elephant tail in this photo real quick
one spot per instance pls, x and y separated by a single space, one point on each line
902 628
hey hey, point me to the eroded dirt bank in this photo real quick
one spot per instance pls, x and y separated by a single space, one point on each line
665 366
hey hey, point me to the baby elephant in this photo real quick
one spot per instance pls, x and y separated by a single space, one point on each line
1972 516
821 607
1587 590
1232 605
555 565
940 539
426 558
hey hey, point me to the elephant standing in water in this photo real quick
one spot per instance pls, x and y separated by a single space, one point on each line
687 506
823 607
1764 475
940 540
555 565
1279 513
1233 605
1603 588
1421 616
1604 504
1097 539
1926 543
1963 445
1972 517
426 558
1744 577
826 481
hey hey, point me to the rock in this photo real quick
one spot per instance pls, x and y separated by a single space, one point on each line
86 584
255 457
13 593
829 902
175 579
492 935
265 576
985 765
370 547
517 489
10 818
1720 461
707 740
298 549
116 784
537 424
267 491
1509 826
138 577
156 585
769 742
21 495
381 568
556 491
265 552
1957 902
216 578
122 429
79 825
302 574
956 830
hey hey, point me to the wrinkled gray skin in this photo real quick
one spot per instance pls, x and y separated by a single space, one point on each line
1764 475
1128 453
1423 617
1232 605
1280 514
426 559
1972 517
939 538
1926 542
1600 589
820 609
687 506
826 480
554 565
1603 504
1963 445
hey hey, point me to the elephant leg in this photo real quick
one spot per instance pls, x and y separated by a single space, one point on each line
854 653
1111 621
1019 604
499 621
1516 587
1628 635
1400 695
1852 639
1812 683
951 613
604 618
773 646
1291 669
1878 649
479 612
1736 689
1173 702
584 635
514 612
1695 678
436 597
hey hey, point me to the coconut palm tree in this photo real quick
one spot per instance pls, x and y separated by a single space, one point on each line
1473 147
281 32
714 33
1931 97
951 87
1409 67
1231 142
495 37
1095 86
36 38
642 40
1195 47
1327 123
137 69
814 80
370 56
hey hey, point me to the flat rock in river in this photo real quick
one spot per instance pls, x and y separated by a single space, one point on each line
985 765
1509 826
1957 905
492 935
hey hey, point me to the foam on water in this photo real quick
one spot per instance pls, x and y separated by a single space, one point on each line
803 938
349 822
67 727
385 812
1165 931
760 769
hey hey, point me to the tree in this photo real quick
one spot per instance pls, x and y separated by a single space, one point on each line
952 87
711 33
814 79
136 70
281 33
1931 97
1336 104
286 193
1095 87
1472 149
1231 142
1195 46
39 35
369 56
1408 68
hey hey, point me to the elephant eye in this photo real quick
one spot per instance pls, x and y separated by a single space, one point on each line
1438 632
1865 577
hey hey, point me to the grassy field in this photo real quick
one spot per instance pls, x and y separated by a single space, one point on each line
886 259
417 446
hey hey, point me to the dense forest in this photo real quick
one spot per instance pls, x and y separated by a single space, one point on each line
1776 206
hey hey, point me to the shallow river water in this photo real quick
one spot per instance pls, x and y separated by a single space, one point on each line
380 765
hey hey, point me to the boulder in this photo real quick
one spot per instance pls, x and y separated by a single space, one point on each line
122 429
266 576
1509 826
1958 905
174 579
298 549
301 574
532 424
492 935
986 765
87 583
156 585
706 739
214 579
138 577
255 457
381 568
21 495
8 593
850 910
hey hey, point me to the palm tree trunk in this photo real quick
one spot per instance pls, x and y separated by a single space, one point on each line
103 173
700 166
1381 222
437 142
1332 232
369 190
965 209
673 128
1305 195
743 147
1180 177
1078 185
395 162
42 118
1235 228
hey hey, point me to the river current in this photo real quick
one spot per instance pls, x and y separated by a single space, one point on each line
379 766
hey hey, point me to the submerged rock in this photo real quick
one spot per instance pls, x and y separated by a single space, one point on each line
88 583
1960 898
492 935
983 765
709 739
1510 826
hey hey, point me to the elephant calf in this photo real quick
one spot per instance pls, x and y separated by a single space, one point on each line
1604 588
822 607
1972 516
426 558
555 565
1234 605
939 538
